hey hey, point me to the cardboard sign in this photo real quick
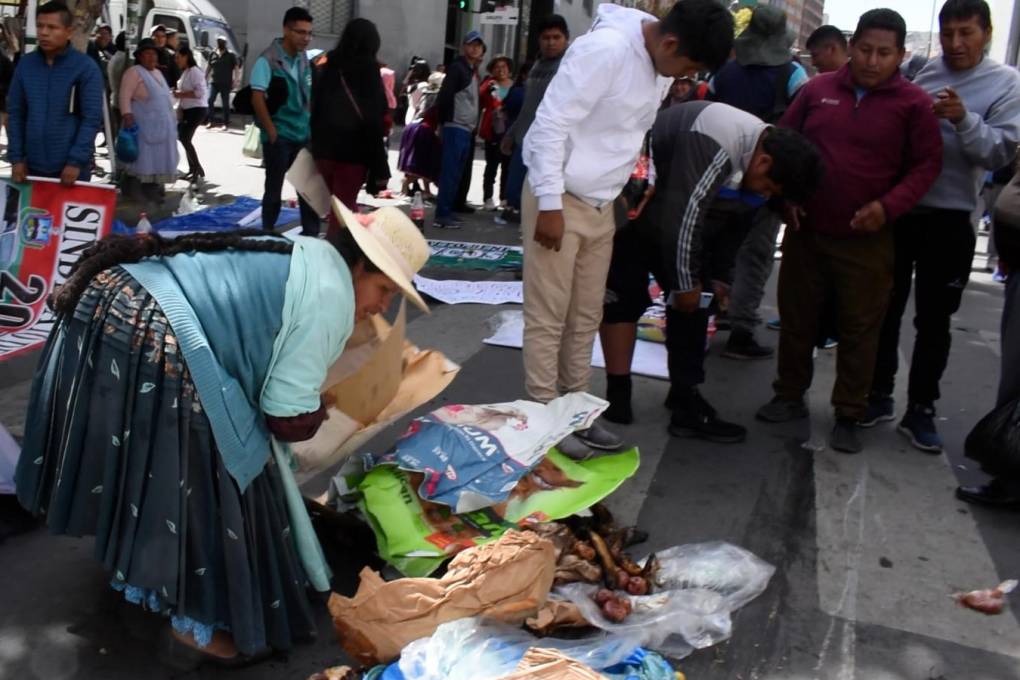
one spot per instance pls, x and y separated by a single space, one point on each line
43 230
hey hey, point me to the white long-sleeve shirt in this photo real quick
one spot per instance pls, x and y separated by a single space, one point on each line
589 127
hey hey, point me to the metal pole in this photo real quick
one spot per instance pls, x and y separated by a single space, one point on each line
930 25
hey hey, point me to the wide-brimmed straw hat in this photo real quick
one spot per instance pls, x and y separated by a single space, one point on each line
765 41
392 242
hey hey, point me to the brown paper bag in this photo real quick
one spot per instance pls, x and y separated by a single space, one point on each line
508 580
379 378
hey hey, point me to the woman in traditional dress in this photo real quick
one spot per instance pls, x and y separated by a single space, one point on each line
161 408
146 101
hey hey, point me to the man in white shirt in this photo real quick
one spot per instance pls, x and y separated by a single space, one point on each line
579 153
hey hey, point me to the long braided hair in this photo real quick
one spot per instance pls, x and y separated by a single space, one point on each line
116 250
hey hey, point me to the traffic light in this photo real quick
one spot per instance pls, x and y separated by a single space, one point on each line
462 5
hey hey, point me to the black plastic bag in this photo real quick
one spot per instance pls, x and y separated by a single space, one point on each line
995 441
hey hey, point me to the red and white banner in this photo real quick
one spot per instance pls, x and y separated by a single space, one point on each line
43 230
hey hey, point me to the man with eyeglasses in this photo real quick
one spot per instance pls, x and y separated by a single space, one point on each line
285 128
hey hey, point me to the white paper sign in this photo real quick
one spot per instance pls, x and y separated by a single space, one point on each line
477 292
649 357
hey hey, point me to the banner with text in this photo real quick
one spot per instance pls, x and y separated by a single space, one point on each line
43 230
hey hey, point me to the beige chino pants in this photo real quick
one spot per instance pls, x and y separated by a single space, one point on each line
563 296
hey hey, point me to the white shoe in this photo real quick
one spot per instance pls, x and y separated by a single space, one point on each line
490 204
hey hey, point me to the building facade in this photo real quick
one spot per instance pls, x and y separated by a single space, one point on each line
430 29
802 17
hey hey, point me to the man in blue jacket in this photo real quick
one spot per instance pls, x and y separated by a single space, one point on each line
55 104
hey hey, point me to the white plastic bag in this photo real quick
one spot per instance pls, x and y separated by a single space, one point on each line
472 456
252 147
479 649
697 588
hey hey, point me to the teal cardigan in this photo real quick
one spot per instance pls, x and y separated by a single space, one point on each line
258 332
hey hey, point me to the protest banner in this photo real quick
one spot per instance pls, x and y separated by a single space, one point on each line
484 256
43 231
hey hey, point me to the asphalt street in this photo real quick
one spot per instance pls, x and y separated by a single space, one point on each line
867 548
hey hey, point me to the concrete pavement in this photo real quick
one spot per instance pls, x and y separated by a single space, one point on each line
868 548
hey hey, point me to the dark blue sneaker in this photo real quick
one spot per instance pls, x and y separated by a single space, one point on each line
881 409
918 425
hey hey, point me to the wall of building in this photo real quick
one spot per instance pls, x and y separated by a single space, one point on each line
256 23
408 28
1006 30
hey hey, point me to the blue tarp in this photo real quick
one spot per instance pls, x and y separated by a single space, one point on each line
221 217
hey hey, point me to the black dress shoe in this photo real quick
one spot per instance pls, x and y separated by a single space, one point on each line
995 494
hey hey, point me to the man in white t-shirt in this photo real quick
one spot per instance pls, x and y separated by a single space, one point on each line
579 153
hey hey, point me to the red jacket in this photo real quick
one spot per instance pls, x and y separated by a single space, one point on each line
887 146
491 105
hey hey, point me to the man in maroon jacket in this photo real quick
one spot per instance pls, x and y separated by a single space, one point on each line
882 150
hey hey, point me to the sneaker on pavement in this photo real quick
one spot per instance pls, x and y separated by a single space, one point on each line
697 418
574 448
844 436
742 345
500 220
773 325
830 343
781 410
918 425
881 409
490 205
598 437
450 222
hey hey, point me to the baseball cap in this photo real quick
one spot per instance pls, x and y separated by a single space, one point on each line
474 36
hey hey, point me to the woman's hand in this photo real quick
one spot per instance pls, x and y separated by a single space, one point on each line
128 120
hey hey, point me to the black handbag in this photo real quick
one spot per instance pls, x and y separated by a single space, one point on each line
995 441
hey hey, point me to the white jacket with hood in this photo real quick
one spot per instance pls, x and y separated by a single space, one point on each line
589 128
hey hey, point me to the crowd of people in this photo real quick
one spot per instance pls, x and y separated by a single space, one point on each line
876 176
159 92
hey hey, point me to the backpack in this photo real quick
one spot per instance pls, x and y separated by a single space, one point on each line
782 99
276 97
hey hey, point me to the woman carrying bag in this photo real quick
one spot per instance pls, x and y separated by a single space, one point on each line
145 100
348 110
162 403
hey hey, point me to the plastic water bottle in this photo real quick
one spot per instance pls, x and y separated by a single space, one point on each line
187 204
418 211
144 226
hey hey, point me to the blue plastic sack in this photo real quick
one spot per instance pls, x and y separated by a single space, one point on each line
126 145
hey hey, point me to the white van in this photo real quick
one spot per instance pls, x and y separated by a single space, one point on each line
197 22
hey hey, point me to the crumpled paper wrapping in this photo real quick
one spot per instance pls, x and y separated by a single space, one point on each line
508 580
550 664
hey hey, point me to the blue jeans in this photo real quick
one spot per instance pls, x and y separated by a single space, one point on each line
515 178
456 147
224 93
278 157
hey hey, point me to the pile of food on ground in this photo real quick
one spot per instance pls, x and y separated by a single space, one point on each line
531 553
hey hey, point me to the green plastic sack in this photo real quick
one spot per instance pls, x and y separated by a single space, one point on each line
417 544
